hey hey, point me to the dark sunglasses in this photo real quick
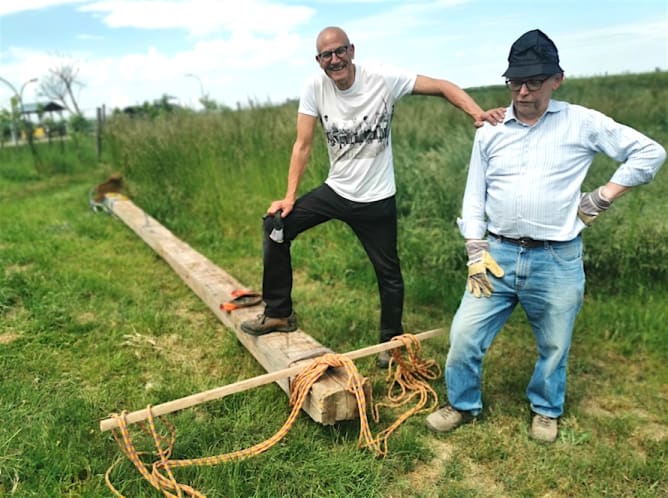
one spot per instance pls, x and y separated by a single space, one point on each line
532 84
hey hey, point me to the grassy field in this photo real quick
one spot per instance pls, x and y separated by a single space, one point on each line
92 321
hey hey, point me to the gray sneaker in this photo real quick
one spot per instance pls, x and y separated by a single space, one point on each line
543 429
447 418
263 324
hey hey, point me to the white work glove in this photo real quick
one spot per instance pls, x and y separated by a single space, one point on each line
480 260
591 205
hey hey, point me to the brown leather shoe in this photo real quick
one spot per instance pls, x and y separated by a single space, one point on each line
263 324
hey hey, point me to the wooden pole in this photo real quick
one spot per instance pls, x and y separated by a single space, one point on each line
98 134
244 385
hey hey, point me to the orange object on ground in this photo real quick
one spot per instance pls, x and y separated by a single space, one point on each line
241 298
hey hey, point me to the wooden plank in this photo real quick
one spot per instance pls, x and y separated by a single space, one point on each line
244 385
329 400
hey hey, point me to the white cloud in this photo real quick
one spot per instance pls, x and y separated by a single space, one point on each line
242 63
26 65
231 71
14 7
201 17
262 51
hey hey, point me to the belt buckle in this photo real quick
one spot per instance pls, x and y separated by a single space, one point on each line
525 242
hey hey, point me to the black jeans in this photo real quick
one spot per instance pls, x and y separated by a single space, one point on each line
374 223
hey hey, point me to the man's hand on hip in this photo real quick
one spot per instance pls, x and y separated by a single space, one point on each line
480 261
591 205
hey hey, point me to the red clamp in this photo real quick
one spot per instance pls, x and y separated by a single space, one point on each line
241 298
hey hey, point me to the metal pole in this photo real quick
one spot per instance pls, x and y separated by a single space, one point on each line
32 80
98 134
203 97
201 87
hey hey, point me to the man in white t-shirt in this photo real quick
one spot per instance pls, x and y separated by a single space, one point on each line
355 105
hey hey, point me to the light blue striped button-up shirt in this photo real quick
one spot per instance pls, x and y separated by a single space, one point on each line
524 181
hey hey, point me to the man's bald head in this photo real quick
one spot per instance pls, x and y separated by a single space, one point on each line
330 33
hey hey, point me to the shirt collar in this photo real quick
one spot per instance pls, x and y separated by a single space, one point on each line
552 107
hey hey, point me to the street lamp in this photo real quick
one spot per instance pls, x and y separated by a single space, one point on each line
201 87
204 97
19 102
31 80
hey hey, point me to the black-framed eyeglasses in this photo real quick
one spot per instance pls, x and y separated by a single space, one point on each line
532 84
327 54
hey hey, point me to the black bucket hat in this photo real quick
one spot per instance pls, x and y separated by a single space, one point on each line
532 54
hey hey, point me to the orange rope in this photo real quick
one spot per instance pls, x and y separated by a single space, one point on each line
409 378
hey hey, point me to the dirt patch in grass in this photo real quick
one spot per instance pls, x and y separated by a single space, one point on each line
14 269
8 338
652 432
647 427
426 480
427 476
167 347
13 323
86 317
196 318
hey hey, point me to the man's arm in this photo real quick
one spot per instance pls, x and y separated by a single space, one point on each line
301 150
473 226
459 98
641 158
594 203
473 223
612 191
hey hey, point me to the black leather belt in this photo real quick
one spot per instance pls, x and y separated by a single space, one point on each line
522 241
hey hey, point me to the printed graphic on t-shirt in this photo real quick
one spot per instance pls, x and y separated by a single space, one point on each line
364 137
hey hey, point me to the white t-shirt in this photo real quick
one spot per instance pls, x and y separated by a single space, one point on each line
357 124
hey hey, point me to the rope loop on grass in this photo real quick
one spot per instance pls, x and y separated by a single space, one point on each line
407 380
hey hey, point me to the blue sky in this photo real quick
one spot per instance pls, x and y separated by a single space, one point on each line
130 51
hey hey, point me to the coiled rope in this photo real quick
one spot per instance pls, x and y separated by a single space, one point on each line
407 381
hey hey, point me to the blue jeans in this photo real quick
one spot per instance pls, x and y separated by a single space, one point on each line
548 282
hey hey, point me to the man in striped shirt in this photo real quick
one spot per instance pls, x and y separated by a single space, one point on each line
522 216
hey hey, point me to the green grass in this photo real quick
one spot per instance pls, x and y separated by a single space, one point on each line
92 321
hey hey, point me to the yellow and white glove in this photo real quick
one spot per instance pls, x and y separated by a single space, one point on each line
480 261
591 205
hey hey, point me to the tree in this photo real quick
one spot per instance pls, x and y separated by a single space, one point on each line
79 124
6 125
208 104
59 85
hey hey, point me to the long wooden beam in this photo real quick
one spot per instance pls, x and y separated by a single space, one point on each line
329 400
244 385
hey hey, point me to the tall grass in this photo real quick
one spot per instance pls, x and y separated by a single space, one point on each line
63 155
212 176
92 321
